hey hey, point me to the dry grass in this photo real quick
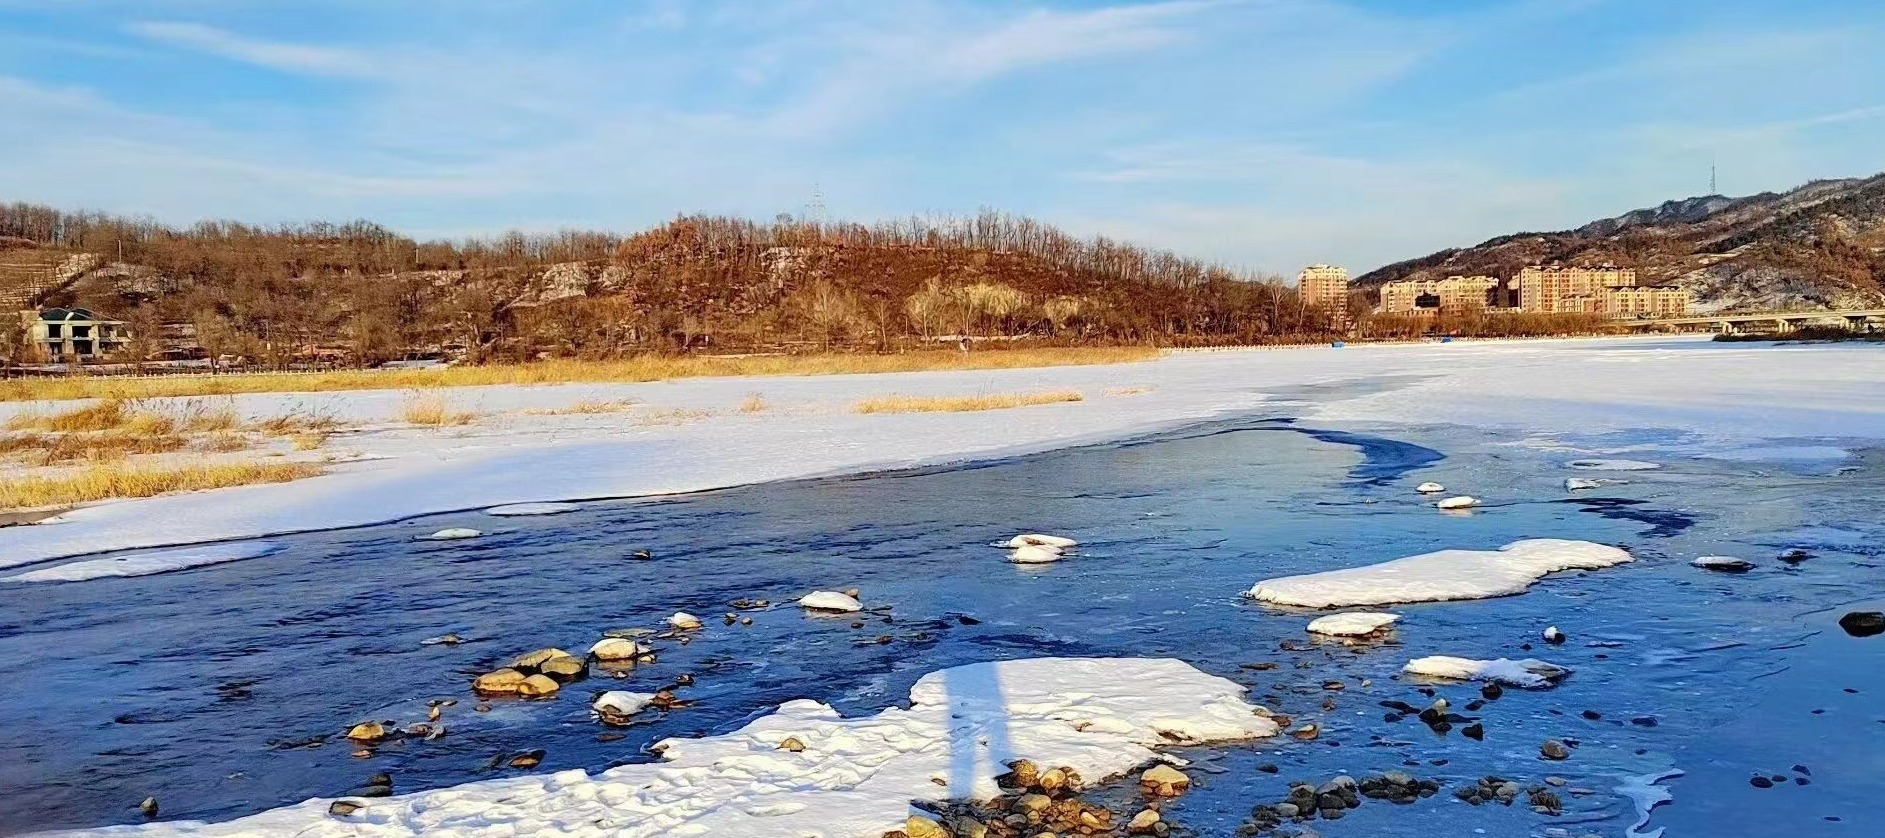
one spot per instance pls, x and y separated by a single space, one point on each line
672 416
308 440
223 442
754 403
105 482
586 407
297 422
957 404
433 410
57 449
1126 391
645 368
131 416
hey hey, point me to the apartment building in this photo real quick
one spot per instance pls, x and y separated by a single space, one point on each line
1564 289
1454 293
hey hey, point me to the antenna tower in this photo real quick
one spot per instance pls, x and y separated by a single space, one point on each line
816 209
1711 178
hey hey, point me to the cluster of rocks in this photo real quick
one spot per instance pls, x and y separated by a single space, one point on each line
1045 803
534 675
1770 781
1505 792
1333 799
369 734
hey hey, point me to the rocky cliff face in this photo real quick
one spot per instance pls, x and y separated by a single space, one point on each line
1821 245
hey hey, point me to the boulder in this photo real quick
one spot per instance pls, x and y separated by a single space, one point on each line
453 534
684 621
616 706
538 685
1429 488
501 682
917 826
1034 554
564 669
367 732
1035 539
1723 564
1142 823
1461 502
618 649
1863 623
1164 781
529 662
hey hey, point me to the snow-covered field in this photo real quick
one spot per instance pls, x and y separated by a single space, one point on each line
691 435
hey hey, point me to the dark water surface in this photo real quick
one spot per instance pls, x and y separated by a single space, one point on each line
184 685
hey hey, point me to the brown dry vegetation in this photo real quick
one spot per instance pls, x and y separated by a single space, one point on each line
754 403
585 407
102 482
955 404
433 410
629 370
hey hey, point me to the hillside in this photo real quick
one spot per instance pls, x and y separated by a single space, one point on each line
1821 245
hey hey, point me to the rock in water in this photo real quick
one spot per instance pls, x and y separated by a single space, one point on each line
148 807
1429 488
1164 781
1143 822
1461 502
1553 635
530 661
616 706
1723 564
1034 554
1554 750
501 682
830 601
453 534
684 621
564 668
367 732
618 649
538 685
917 826
1795 556
1863 623
1578 484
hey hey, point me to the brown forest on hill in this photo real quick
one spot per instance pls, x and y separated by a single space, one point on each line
359 294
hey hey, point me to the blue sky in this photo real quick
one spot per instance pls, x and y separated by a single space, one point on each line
1263 133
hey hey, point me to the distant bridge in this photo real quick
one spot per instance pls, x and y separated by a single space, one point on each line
1858 320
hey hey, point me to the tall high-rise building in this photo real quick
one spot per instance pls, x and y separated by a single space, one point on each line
1323 285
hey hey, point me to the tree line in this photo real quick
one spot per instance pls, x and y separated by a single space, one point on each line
357 293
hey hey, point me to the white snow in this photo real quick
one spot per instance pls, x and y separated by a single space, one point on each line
619 649
1430 488
1542 388
854 779
1461 502
1441 575
1612 465
1578 484
1058 542
148 563
520 509
1529 673
830 601
1352 623
622 702
1646 793
452 534
1034 554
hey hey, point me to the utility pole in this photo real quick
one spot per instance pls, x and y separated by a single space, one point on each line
1711 177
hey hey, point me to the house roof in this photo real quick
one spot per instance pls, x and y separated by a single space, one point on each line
59 315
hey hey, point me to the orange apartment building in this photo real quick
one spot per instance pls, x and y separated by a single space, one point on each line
1430 296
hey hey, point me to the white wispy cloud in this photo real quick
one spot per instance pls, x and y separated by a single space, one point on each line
275 55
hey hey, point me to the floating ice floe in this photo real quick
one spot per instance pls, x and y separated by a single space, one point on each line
149 563
1440 575
1101 717
516 509
1579 484
1530 673
1035 539
1646 793
1352 623
1723 564
1553 636
830 601
1034 554
1461 502
452 534
1429 488
684 620
1612 465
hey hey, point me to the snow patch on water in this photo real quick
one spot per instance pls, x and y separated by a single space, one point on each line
148 563
1352 623
1530 673
1644 792
1441 575
515 509
855 777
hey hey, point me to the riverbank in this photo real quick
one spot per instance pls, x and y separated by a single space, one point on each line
585 441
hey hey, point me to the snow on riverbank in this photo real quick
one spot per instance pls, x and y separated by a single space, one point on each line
1439 576
691 435
855 777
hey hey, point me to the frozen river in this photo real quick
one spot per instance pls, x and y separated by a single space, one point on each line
203 687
